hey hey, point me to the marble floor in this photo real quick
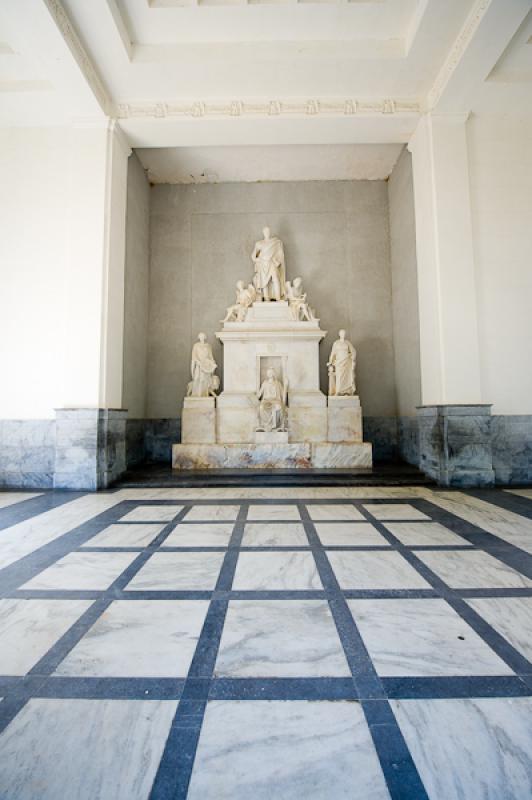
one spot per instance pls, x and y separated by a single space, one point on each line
251 644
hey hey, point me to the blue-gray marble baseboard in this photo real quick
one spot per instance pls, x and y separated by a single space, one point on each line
27 453
511 443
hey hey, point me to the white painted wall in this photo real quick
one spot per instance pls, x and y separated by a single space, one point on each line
404 286
500 168
62 215
136 289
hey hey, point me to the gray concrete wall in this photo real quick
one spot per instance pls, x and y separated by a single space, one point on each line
136 289
404 286
336 236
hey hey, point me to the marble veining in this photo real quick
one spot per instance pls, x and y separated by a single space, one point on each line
511 617
402 511
424 533
477 749
358 534
274 534
144 638
115 745
152 514
131 535
175 571
280 571
422 637
270 513
200 535
243 748
463 569
28 628
334 511
212 513
280 638
374 570
82 571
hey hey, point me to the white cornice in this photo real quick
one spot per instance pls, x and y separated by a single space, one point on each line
457 51
269 108
79 53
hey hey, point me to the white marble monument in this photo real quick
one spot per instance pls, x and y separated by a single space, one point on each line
271 412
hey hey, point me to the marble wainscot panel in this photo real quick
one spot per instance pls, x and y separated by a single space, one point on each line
90 447
511 443
455 444
27 453
344 419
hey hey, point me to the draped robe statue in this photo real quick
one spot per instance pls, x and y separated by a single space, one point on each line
272 404
341 366
270 274
202 367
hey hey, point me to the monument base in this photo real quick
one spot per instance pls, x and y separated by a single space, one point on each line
298 455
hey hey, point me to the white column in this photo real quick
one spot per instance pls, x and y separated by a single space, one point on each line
95 272
450 368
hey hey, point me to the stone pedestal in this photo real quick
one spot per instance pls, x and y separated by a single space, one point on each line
344 419
198 425
271 437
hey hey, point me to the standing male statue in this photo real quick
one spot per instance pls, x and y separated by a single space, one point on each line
204 382
270 275
341 366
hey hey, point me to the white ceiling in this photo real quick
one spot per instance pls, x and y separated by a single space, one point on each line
191 73
269 163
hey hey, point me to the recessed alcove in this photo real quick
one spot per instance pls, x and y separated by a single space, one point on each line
346 216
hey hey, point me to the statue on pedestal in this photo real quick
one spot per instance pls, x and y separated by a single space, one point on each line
341 367
272 403
204 382
297 298
245 297
270 274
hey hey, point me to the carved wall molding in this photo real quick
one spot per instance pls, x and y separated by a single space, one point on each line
75 46
457 51
268 108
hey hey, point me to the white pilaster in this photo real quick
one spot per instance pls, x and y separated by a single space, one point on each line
94 289
450 368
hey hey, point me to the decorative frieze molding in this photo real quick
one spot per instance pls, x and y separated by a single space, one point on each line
269 108
83 61
457 51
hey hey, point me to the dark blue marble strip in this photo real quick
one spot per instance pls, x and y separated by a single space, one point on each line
400 772
505 500
27 509
111 688
424 688
282 689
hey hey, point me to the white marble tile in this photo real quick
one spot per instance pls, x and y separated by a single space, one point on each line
152 514
274 534
178 571
78 571
140 639
276 571
361 534
397 511
526 493
424 533
29 628
212 513
472 749
374 570
84 749
280 638
200 535
422 637
270 513
511 617
278 493
341 512
463 569
11 498
507 525
23 538
130 535
273 749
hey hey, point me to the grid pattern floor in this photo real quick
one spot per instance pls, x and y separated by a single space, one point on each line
259 644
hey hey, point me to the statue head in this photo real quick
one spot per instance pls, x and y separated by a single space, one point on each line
270 373
240 285
341 334
202 338
266 233
298 282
